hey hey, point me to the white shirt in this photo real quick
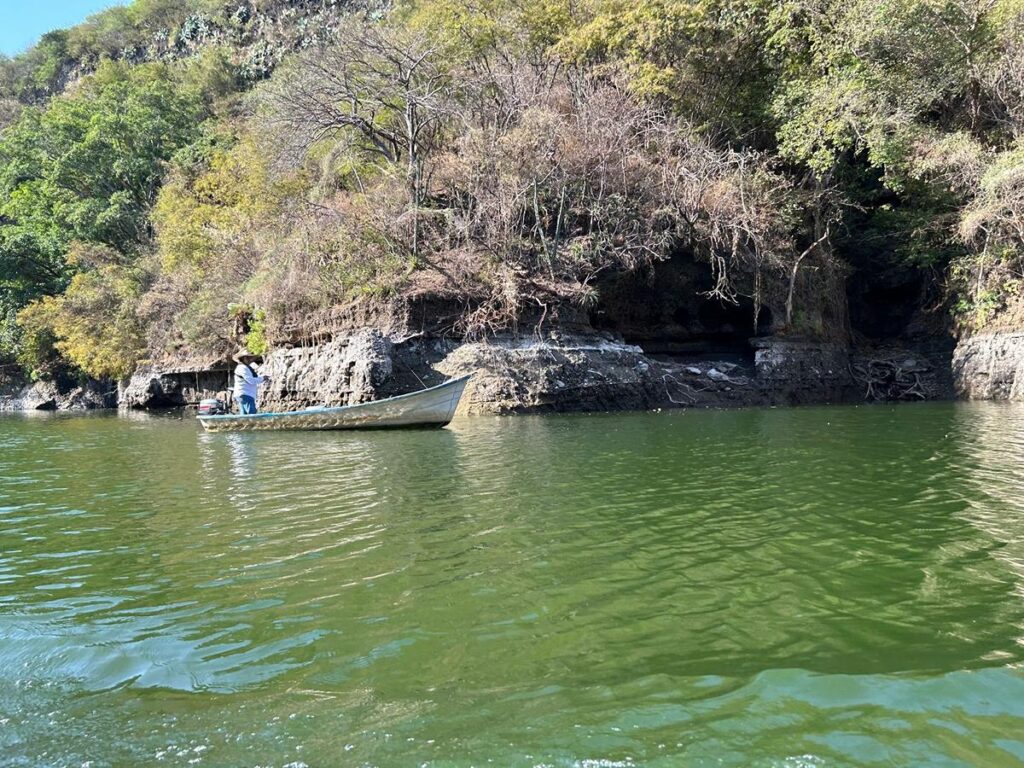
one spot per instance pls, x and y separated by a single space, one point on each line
247 382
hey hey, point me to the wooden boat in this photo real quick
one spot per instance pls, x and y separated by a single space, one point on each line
433 407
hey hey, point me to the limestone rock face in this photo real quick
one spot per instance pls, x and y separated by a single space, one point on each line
990 366
50 396
798 372
815 363
555 371
40 396
150 387
347 370
555 374
147 388
90 397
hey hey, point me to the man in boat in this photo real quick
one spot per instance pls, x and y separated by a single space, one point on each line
247 381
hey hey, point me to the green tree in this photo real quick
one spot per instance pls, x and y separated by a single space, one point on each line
93 324
86 168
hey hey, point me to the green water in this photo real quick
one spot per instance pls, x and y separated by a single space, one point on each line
803 587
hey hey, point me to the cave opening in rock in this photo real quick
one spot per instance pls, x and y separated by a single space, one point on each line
669 315
884 305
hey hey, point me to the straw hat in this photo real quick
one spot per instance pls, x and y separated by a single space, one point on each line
242 355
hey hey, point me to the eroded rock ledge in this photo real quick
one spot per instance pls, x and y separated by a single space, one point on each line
53 396
559 371
990 366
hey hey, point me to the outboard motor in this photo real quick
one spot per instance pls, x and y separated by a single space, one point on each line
212 407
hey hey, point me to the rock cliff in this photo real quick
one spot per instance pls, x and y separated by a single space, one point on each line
52 396
557 371
990 366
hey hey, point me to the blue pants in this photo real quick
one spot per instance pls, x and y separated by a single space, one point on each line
246 404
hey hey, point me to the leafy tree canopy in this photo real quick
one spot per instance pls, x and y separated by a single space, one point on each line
86 168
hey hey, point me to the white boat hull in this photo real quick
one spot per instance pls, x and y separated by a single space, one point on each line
433 407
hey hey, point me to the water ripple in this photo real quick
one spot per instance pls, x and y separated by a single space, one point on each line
769 587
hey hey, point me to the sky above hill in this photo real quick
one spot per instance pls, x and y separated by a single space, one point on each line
23 21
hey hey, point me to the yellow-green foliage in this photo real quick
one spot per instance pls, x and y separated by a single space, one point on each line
210 76
649 39
468 30
35 352
231 231
93 322
256 339
195 217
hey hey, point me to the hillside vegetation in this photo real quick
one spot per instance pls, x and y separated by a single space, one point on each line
175 167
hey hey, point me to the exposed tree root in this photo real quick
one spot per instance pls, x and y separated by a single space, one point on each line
888 380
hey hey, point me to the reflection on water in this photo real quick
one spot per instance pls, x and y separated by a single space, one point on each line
821 586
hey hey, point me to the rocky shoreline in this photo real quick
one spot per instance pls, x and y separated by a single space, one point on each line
16 394
557 372
990 366
564 372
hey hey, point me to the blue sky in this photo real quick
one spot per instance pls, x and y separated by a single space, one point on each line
23 21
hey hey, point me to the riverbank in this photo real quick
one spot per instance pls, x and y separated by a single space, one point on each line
19 394
563 372
566 371
990 366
